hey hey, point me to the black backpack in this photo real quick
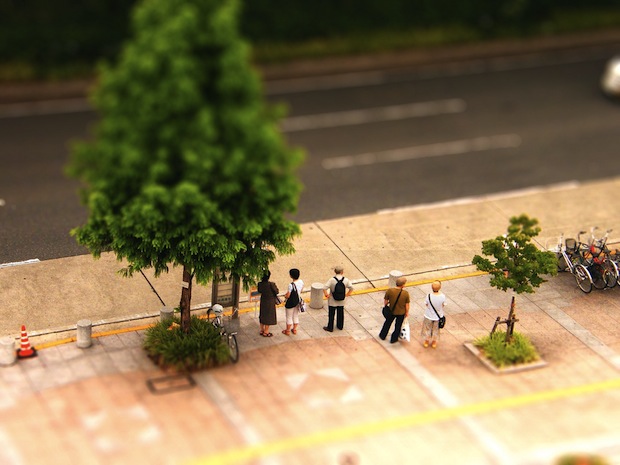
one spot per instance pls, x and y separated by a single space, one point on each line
293 298
340 291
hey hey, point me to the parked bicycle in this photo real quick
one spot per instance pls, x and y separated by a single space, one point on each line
229 338
567 252
584 256
602 255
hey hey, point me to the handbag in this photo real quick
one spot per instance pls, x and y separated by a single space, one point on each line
405 331
293 298
387 311
302 305
277 297
442 319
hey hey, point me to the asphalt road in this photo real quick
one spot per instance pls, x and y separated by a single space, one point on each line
374 140
516 124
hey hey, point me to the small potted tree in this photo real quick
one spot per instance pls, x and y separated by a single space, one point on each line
520 266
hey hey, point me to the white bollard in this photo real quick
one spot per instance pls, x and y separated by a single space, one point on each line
84 334
166 314
8 354
394 275
316 295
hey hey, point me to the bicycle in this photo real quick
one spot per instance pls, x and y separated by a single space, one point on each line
567 252
229 338
602 255
588 256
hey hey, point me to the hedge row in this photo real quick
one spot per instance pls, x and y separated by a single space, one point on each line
65 31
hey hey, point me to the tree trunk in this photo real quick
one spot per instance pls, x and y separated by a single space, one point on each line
510 321
186 300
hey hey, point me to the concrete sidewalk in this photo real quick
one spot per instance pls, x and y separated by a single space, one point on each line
334 398
329 398
422 242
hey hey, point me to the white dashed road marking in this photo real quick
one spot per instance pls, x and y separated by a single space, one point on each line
441 149
373 115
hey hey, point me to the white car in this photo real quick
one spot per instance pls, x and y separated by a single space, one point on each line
610 82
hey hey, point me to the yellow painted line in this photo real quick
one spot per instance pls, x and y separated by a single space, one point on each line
352 432
421 282
47 345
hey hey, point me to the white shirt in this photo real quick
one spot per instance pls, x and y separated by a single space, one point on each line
439 301
300 287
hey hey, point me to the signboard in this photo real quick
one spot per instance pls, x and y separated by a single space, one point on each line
226 294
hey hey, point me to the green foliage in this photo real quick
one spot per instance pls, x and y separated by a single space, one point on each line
187 166
37 41
515 254
65 41
376 41
202 347
518 350
581 459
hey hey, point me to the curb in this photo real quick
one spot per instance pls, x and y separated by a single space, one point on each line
47 345
21 92
506 370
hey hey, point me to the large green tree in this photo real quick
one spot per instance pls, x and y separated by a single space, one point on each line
187 166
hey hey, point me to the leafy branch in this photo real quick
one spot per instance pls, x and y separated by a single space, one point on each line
519 265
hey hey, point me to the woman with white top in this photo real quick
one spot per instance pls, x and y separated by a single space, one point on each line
293 299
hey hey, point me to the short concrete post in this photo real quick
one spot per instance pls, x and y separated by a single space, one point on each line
394 275
316 295
84 334
8 354
166 314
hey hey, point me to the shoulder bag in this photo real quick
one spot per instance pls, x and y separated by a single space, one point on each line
387 311
442 319
275 294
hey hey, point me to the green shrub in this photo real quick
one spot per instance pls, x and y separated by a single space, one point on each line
519 350
202 347
581 459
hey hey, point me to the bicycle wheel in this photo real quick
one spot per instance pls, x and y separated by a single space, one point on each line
233 348
599 275
583 278
612 272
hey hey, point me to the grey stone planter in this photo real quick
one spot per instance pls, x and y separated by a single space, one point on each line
505 370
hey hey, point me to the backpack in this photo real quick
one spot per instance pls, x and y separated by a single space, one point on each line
293 298
340 290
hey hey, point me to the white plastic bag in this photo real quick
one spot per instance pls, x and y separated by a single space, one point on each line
405 331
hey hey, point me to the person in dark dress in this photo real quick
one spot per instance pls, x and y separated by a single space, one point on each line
268 301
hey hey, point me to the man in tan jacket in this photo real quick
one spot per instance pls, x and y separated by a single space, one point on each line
398 300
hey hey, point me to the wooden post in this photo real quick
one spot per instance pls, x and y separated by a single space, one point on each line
497 321
510 322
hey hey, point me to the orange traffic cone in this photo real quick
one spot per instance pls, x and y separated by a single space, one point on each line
25 350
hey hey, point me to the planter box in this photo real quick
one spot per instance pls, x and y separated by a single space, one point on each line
504 370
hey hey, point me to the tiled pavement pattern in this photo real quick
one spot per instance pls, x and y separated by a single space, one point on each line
335 398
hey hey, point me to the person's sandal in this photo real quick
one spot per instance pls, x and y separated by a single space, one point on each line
267 335
286 331
294 331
